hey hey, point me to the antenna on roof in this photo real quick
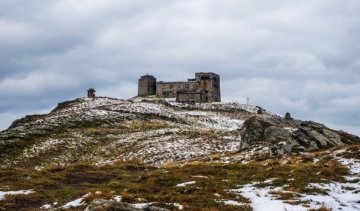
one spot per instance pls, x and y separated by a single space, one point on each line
247 100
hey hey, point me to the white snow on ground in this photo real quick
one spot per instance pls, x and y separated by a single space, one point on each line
46 206
234 203
194 113
141 205
185 184
117 198
340 196
221 123
75 203
224 106
80 201
200 176
352 163
156 147
18 192
261 200
179 206
290 129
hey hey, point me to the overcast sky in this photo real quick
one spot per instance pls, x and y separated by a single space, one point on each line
286 55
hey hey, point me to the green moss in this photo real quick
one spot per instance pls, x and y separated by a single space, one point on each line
66 192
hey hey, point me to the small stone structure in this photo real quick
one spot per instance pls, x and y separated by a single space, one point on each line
287 115
205 87
91 92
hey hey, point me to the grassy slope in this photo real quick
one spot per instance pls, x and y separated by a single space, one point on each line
138 183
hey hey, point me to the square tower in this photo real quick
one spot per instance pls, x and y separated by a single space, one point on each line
209 85
146 86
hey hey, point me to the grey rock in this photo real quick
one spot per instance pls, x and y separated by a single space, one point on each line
302 136
275 134
287 148
332 136
317 137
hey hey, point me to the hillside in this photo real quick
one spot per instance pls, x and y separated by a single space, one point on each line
140 150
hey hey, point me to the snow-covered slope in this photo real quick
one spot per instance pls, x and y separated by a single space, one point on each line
156 132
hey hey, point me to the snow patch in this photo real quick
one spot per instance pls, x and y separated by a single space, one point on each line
75 203
177 205
117 198
232 202
340 195
185 184
46 206
141 205
261 199
18 192
200 176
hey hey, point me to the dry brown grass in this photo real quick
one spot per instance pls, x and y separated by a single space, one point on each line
134 181
333 170
285 195
322 208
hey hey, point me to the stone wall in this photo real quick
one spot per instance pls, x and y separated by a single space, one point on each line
170 89
188 97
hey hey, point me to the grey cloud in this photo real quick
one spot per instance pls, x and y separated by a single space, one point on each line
298 56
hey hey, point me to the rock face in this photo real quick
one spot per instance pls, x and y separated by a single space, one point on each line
287 135
155 131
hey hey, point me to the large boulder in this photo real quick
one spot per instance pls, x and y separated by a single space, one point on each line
286 136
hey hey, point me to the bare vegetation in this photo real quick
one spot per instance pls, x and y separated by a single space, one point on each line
137 183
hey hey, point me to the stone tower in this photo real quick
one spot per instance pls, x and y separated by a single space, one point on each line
147 85
209 85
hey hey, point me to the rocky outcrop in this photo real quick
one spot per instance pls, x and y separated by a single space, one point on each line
283 136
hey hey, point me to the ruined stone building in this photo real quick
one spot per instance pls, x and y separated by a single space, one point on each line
205 87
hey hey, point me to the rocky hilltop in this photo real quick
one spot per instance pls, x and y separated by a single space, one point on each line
158 132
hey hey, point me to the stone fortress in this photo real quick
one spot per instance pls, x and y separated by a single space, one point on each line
205 87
